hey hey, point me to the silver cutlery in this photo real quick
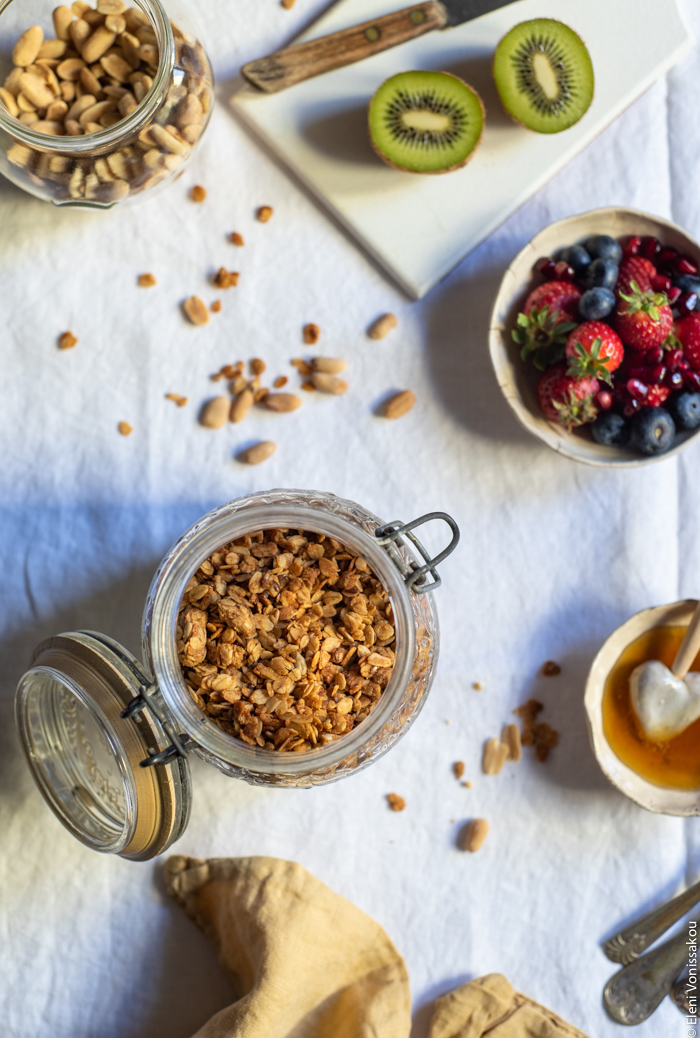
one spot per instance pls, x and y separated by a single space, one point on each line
629 944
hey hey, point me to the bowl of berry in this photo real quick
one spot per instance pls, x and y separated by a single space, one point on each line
595 337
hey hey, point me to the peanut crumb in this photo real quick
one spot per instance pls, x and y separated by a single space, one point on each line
280 381
67 341
257 366
125 429
539 735
198 193
260 394
287 4
468 785
551 669
176 399
309 387
396 803
477 686
226 278
458 768
312 334
216 306
146 281
265 213
236 238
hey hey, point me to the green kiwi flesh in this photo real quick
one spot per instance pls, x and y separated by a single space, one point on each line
426 122
544 75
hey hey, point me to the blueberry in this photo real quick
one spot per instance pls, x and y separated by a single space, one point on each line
653 431
685 408
602 246
596 303
688 283
602 273
610 430
578 258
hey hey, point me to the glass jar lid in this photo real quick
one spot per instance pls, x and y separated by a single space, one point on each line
90 744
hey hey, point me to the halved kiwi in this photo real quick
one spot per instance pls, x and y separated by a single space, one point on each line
544 74
426 122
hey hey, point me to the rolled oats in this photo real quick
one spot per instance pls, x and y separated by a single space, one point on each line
285 637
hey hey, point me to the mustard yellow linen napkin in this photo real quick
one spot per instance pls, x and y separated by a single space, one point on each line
309 964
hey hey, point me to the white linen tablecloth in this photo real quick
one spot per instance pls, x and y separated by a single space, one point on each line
554 556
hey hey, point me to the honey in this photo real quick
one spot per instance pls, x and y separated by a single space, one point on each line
674 764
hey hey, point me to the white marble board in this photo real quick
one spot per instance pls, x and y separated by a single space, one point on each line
419 227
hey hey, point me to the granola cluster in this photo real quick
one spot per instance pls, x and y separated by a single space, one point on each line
286 639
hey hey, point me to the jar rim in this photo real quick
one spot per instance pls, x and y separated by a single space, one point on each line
269 510
143 113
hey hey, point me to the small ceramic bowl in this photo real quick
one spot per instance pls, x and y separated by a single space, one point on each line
518 379
653 798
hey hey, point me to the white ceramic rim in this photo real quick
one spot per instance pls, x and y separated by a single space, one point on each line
658 799
508 366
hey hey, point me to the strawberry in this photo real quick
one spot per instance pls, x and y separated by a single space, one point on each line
549 314
643 318
688 332
657 396
566 400
635 268
594 349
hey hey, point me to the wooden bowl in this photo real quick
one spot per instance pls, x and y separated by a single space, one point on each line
518 379
653 798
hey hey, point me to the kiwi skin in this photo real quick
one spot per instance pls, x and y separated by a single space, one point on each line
448 169
506 110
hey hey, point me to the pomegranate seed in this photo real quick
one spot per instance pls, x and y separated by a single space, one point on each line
667 254
563 272
649 247
687 303
631 408
656 374
604 400
673 379
545 266
686 266
683 364
674 295
673 357
655 356
632 247
691 380
661 283
637 389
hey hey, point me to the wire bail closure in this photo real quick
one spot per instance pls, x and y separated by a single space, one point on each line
391 535
178 743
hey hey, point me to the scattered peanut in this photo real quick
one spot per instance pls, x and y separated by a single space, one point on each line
196 310
312 334
477 686
495 756
67 341
125 429
214 414
146 281
331 365
265 213
282 402
382 326
458 768
198 193
280 381
257 366
257 453
242 404
216 306
551 669
540 735
226 278
236 238
399 404
473 835
396 803
26 50
511 738
329 383
176 399
308 387
287 4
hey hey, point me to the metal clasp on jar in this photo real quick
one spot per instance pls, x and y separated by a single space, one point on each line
391 535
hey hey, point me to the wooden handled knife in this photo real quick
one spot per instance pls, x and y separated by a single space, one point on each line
292 65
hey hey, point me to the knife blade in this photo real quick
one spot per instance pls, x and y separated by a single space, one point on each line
302 61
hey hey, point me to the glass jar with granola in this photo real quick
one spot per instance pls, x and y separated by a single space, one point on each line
100 103
289 639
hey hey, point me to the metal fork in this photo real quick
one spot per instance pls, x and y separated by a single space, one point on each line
629 944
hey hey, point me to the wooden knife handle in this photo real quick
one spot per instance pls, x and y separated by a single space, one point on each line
286 67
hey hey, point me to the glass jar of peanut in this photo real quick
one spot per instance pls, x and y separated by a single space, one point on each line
289 639
100 103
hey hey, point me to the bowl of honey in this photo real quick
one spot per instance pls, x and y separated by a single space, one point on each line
661 776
